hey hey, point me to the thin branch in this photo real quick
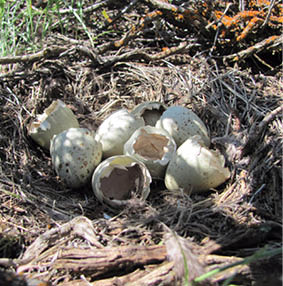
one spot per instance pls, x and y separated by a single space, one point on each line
268 13
162 5
272 41
141 54
53 51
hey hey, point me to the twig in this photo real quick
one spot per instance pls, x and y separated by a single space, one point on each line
268 13
107 259
53 51
140 54
93 54
258 47
66 39
242 5
139 277
162 5
217 21
263 62
90 53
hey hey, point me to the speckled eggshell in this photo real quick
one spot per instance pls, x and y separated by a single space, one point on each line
182 123
75 154
195 168
115 130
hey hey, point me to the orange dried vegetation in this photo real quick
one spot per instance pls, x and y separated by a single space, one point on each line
247 21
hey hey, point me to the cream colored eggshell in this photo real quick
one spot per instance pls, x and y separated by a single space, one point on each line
150 111
75 154
196 167
55 119
182 123
152 146
120 178
115 130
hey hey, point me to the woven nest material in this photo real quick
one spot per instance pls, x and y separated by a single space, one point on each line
66 237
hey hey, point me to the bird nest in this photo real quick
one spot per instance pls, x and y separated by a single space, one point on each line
66 237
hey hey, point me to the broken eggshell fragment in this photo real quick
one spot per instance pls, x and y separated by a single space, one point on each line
120 178
55 119
115 130
196 168
150 111
152 146
182 123
75 154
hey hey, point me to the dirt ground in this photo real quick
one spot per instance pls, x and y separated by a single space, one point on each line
150 52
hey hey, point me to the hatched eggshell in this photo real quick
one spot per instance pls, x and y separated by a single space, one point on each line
195 167
150 111
120 178
56 118
75 154
115 130
182 123
152 146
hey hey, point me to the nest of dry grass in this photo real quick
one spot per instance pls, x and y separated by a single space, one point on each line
241 108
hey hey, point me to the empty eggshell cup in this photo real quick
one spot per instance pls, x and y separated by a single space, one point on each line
55 119
152 146
150 111
119 179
